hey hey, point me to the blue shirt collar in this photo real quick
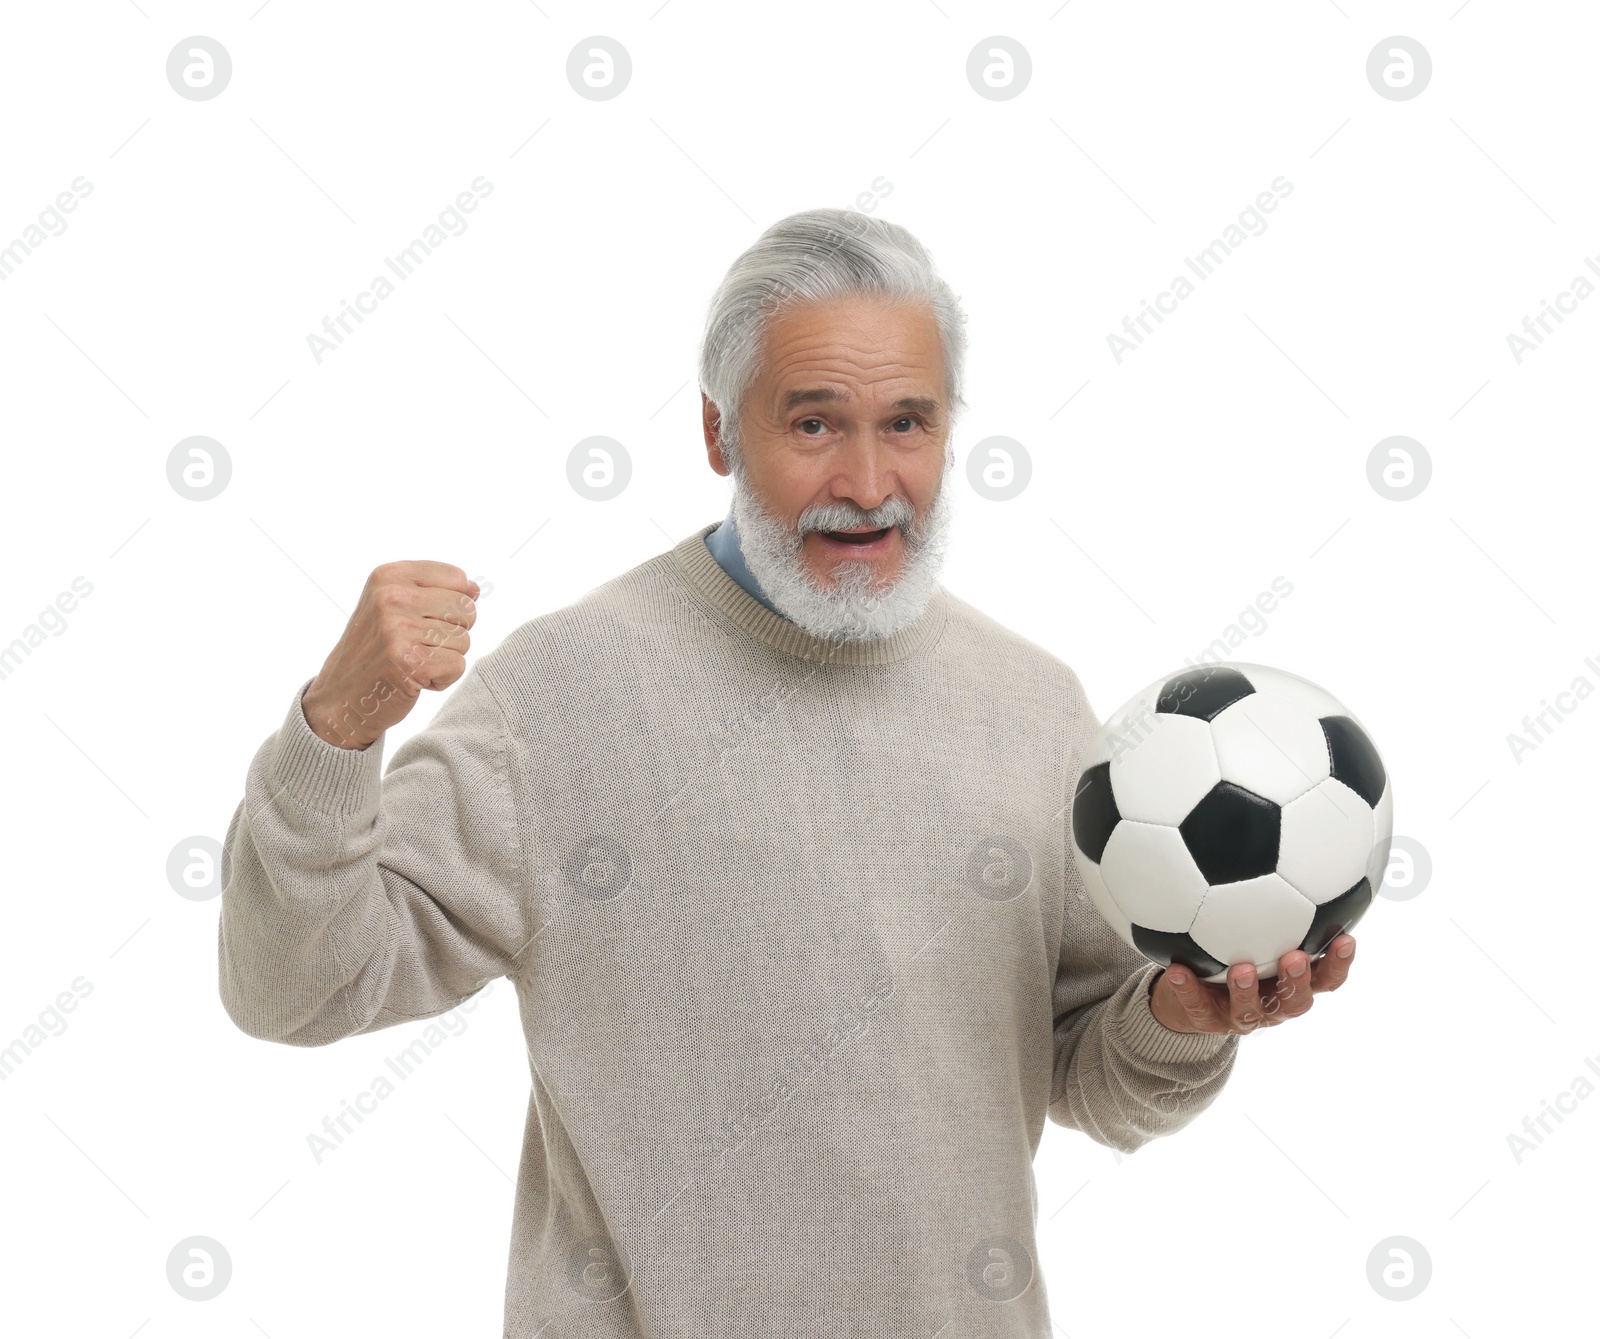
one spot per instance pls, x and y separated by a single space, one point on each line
724 545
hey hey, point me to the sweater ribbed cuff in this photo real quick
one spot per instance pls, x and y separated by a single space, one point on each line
1147 1036
320 775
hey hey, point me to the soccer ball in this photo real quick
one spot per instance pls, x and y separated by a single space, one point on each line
1230 813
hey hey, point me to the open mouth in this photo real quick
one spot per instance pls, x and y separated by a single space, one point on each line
856 536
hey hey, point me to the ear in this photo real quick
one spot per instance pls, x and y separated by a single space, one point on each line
710 422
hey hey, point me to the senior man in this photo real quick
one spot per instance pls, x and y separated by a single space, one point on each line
770 834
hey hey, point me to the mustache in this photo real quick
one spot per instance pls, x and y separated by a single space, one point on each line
894 513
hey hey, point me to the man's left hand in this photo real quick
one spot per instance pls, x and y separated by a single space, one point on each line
1182 1002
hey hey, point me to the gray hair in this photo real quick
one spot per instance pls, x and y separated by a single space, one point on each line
818 255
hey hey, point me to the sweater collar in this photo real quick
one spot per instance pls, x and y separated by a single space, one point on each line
724 595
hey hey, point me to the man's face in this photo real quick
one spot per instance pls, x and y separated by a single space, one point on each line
845 430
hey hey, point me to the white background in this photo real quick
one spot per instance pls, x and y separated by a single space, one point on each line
1229 449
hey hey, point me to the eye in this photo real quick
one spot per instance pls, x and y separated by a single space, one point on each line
803 423
908 418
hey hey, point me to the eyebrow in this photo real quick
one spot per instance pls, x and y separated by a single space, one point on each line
918 404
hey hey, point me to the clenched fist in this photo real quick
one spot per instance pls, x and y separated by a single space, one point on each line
409 632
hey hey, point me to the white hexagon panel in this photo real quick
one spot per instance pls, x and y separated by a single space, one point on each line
1325 841
1271 746
1151 876
1255 921
1162 767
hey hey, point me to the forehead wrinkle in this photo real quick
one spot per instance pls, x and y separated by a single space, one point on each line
869 345
814 347
820 349
820 367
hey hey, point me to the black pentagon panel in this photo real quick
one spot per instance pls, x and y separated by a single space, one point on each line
1166 947
1094 811
1232 834
1352 759
1203 692
1335 916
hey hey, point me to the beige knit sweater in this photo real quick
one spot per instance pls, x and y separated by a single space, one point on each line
800 950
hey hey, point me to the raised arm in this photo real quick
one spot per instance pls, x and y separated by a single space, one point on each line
354 901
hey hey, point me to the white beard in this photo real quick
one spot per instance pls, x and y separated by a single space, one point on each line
852 609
